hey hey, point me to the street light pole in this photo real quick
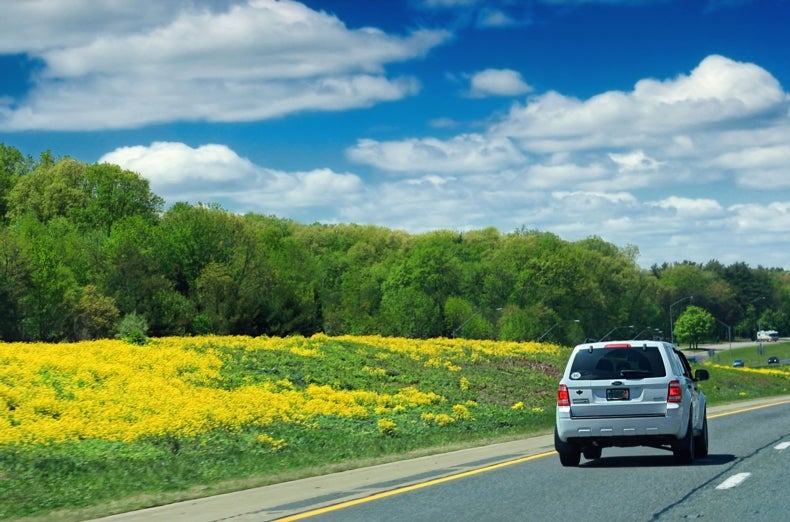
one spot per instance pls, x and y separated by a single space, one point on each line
755 312
612 330
729 331
553 327
671 325
458 329
654 330
455 331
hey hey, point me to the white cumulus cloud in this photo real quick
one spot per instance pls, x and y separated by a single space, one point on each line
463 153
167 164
650 166
718 90
214 173
497 82
253 60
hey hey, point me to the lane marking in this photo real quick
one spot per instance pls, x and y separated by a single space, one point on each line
782 445
733 481
384 494
750 408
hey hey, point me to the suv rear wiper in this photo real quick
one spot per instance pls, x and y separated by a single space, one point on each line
635 374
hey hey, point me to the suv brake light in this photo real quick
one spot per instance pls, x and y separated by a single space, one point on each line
616 345
563 397
674 392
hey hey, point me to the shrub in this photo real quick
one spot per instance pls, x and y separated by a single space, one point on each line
133 329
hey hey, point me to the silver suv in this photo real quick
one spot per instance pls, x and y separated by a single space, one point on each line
630 393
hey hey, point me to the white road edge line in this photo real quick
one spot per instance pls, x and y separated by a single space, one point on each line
733 481
782 445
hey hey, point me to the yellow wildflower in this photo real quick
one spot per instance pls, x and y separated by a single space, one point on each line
461 412
387 427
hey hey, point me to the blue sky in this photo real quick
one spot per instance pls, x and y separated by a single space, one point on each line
663 125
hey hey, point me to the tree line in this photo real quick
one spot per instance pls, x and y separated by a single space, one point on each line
86 250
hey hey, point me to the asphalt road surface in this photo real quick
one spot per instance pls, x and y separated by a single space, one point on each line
743 478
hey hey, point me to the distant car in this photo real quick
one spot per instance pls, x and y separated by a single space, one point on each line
737 363
773 360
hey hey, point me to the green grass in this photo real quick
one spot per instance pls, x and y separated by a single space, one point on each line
86 479
753 356
728 384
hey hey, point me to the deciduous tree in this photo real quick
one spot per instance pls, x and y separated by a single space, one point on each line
694 325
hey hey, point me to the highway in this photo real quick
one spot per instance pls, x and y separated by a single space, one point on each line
743 478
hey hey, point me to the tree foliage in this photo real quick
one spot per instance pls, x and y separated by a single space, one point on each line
694 325
89 251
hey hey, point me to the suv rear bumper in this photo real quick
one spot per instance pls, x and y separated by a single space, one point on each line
622 431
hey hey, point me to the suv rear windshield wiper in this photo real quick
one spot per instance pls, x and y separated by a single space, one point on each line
635 374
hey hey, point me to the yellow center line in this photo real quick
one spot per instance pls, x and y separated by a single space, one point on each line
412 487
750 408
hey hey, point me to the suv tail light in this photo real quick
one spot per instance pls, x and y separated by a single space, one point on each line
674 393
612 346
563 397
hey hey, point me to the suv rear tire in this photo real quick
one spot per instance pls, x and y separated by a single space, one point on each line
683 449
570 454
701 440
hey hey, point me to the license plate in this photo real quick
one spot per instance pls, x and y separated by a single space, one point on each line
618 394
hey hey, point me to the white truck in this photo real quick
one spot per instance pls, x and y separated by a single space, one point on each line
767 336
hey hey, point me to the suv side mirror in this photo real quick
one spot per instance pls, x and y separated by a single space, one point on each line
701 375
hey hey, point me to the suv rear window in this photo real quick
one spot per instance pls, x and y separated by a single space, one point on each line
616 363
